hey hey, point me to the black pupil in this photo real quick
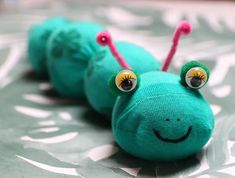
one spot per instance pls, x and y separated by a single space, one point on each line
126 84
196 81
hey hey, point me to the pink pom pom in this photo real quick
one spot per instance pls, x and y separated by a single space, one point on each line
103 38
185 27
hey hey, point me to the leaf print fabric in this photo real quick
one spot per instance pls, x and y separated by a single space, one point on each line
48 136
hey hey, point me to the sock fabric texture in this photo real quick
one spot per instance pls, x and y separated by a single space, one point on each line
69 50
37 39
162 119
102 67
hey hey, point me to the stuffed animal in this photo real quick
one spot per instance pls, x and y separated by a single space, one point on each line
157 115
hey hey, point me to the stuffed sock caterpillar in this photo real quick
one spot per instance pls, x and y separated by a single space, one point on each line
156 115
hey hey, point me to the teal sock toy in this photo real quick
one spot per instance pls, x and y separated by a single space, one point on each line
157 115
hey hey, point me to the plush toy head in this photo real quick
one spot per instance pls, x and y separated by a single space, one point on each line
103 64
69 50
37 39
161 116
163 119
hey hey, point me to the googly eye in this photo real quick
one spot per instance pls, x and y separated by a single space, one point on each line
196 77
126 80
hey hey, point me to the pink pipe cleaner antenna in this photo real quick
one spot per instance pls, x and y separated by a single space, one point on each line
183 28
104 39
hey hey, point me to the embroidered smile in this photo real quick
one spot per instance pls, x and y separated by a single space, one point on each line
180 139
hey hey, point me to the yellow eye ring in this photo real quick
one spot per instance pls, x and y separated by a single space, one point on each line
126 80
196 77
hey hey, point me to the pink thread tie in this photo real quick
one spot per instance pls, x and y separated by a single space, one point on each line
104 39
183 28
